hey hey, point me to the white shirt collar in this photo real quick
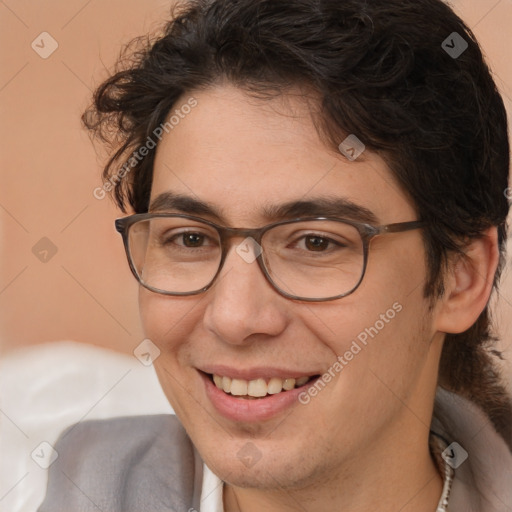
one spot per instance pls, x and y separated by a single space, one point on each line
211 493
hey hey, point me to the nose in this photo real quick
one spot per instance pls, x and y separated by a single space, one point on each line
242 304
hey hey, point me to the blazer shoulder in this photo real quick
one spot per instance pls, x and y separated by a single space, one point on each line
123 464
118 435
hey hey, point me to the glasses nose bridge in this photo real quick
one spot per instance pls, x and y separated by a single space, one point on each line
227 234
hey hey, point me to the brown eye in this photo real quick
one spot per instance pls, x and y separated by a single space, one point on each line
192 239
316 243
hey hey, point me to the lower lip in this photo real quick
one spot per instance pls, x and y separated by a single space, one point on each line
260 409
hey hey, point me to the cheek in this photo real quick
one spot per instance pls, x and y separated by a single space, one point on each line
382 330
374 337
165 319
379 351
168 322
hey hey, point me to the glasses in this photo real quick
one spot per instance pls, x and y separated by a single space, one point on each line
310 259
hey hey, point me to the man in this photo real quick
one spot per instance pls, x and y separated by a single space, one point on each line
334 351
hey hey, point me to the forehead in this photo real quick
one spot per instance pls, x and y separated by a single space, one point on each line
245 156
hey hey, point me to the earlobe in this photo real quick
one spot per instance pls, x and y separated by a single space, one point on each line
468 284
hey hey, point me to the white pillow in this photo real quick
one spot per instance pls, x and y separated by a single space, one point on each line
44 389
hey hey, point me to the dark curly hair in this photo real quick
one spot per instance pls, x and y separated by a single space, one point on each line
379 70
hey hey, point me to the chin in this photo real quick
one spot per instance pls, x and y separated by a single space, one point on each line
262 464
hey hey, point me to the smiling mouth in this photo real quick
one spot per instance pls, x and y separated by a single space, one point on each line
258 388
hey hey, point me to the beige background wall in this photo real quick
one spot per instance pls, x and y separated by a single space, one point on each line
49 168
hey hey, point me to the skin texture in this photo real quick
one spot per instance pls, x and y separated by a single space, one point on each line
369 427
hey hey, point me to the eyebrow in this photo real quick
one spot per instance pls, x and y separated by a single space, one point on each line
325 206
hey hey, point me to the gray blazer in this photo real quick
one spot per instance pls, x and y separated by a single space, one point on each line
148 464
131 464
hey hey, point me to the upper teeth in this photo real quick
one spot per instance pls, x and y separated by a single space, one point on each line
258 387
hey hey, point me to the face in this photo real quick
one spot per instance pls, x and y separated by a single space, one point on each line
374 349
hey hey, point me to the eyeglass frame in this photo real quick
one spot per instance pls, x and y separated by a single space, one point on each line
366 231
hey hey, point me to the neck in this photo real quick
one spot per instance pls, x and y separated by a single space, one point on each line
398 474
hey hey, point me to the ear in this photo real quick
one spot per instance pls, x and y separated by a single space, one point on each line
468 284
